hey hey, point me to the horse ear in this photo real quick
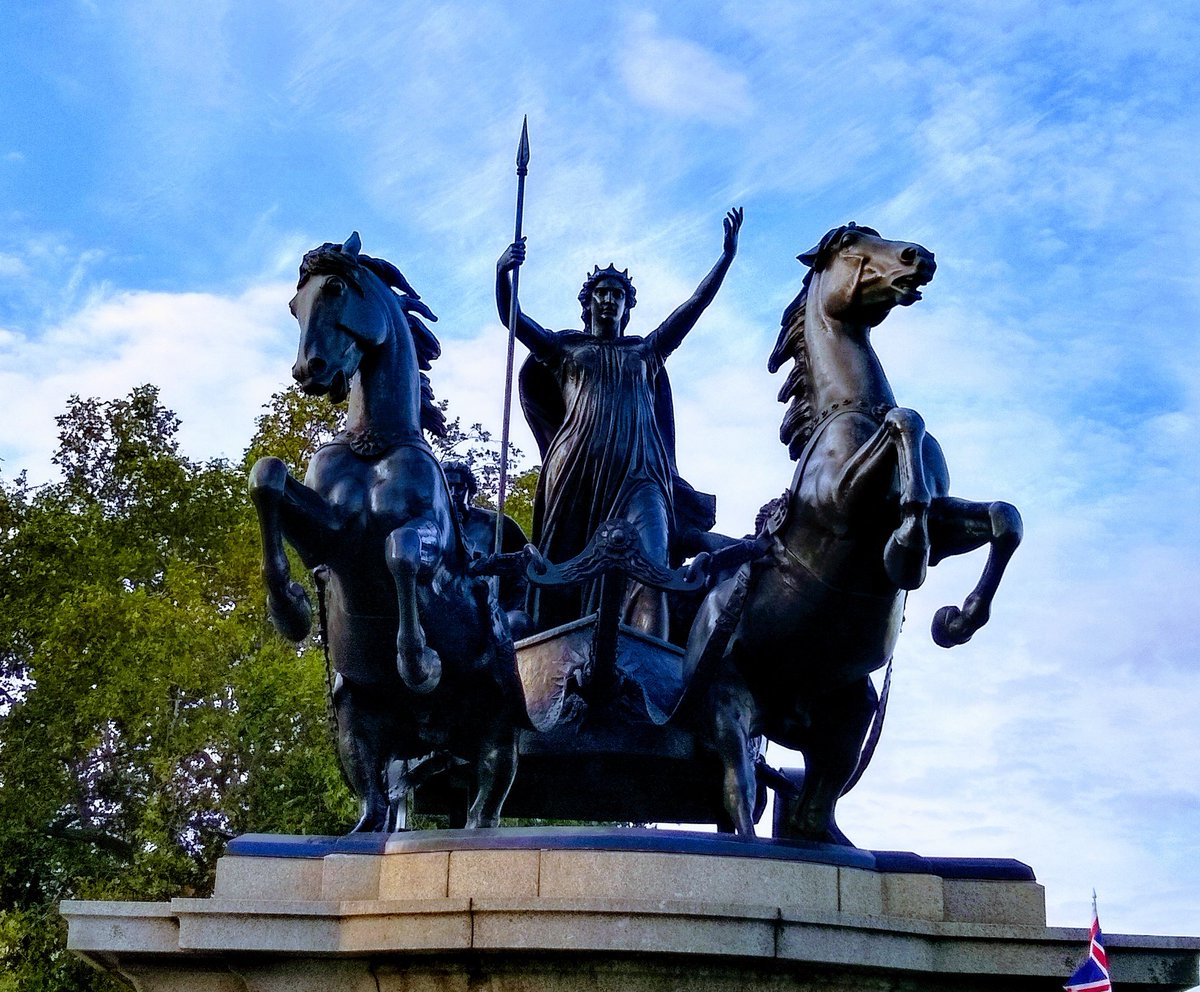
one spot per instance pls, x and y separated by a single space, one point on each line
353 245
833 241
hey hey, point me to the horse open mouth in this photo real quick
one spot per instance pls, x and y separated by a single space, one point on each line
337 388
910 287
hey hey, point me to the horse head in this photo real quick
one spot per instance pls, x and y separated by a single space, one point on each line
858 276
349 304
855 278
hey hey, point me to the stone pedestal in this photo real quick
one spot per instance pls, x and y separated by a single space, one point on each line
571 909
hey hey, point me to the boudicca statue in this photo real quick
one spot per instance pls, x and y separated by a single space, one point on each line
782 643
421 652
599 404
788 641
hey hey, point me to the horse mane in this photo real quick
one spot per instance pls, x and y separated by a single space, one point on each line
335 258
427 345
800 418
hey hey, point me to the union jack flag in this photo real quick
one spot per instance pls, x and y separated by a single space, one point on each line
1092 975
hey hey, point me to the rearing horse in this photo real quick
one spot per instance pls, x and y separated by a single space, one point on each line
423 658
788 642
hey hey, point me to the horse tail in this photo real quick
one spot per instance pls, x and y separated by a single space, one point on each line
872 739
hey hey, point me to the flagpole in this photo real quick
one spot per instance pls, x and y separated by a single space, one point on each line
522 171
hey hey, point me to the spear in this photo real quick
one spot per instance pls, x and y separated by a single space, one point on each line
522 172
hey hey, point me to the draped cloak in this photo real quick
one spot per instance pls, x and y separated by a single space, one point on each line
602 414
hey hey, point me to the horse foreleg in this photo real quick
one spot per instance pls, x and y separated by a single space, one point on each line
408 550
956 527
287 602
734 715
899 443
495 769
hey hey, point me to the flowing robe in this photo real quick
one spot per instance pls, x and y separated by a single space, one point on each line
602 415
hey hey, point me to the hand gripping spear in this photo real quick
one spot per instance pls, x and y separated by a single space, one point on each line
522 171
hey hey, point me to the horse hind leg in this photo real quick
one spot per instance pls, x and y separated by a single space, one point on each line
408 548
361 748
832 749
959 526
495 770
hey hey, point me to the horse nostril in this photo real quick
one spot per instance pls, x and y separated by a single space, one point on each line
909 254
306 370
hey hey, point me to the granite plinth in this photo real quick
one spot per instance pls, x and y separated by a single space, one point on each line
516 911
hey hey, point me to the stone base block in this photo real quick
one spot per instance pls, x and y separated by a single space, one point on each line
563 909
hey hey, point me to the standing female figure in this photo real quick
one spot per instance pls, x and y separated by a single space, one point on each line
599 404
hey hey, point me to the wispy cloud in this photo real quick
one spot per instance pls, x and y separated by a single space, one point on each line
680 77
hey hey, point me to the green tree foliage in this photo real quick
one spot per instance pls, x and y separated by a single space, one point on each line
292 426
147 712
518 501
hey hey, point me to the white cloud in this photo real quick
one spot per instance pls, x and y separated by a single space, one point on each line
679 76
217 360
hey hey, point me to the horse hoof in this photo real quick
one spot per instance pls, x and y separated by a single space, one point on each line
834 835
425 675
948 628
369 823
291 615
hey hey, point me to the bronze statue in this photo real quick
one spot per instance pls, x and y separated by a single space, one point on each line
599 404
479 531
787 643
423 658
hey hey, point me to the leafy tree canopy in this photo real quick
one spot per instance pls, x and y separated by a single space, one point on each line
147 711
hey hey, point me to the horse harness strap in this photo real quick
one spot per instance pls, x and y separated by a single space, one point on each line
371 443
786 560
876 411
727 621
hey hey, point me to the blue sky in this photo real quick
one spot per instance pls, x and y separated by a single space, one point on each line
163 166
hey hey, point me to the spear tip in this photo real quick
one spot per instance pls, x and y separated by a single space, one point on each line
523 148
